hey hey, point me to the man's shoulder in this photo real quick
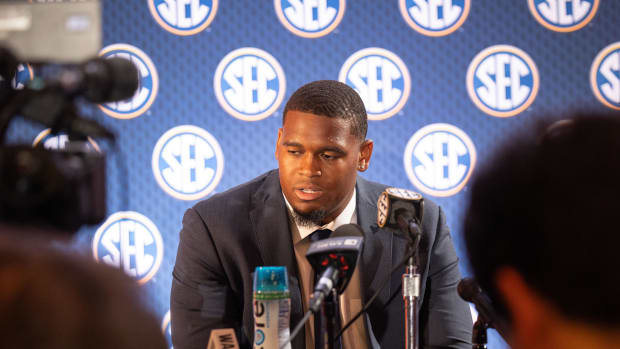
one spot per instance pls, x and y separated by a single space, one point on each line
240 195
368 185
372 189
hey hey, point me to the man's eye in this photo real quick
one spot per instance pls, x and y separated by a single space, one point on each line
294 152
328 157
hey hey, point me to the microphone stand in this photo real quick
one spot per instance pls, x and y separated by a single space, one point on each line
479 333
411 286
411 295
326 324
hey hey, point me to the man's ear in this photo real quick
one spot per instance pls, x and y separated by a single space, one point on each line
363 160
531 316
277 153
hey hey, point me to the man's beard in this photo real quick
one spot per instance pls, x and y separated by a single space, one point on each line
310 219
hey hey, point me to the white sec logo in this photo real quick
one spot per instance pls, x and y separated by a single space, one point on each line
605 76
147 88
310 18
439 159
60 141
187 162
131 242
434 17
249 84
563 15
183 17
502 80
380 78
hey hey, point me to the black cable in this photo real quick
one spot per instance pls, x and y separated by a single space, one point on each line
295 332
408 255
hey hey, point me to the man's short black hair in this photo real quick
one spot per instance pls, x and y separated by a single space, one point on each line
332 99
548 205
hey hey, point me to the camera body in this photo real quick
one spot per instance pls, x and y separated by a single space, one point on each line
61 189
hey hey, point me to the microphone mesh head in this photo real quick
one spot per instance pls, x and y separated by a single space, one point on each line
468 288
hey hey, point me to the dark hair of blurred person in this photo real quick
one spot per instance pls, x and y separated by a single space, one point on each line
55 300
542 233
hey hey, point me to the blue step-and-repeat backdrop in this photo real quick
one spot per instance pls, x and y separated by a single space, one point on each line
444 83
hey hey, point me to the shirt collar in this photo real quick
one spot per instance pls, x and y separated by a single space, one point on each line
345 217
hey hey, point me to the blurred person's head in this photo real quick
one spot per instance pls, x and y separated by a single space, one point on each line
542 233
54 300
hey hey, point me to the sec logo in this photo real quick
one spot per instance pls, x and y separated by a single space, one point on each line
249 84
563 15
60 141
605 76
380 78
502 81
434 17
166 329
187 162
131 242
310 18
147 89
439 159
183 17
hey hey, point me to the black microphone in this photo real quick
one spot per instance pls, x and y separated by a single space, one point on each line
101 80
334 259
470 291
401 208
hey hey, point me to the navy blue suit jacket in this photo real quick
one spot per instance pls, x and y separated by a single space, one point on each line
225 237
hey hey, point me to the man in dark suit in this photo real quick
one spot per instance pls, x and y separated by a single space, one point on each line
268 221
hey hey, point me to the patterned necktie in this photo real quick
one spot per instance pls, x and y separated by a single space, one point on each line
317 235
320 234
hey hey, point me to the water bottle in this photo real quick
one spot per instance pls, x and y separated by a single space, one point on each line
272 307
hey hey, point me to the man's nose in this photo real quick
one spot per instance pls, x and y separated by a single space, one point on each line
310 166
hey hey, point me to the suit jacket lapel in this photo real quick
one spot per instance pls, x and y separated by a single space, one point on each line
270 221
376 254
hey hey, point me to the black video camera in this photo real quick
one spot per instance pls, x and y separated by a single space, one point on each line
59 189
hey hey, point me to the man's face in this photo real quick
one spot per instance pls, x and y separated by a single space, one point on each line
318 161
